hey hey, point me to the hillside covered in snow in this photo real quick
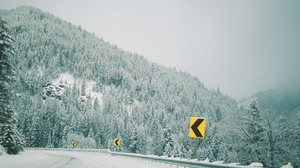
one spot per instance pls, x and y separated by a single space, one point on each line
74 86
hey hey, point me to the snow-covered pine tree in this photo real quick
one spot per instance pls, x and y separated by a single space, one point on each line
253 137
35 137
278 140
83 88
133 143
168 143
294 144
157 145
10 138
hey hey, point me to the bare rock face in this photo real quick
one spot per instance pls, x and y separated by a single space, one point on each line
54 90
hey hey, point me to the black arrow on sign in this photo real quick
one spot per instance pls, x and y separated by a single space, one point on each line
116 142
195 127
73 144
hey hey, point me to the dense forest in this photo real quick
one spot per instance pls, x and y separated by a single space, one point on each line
74 86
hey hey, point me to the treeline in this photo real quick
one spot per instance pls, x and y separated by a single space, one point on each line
146 105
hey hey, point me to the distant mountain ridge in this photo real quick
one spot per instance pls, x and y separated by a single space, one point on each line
283 100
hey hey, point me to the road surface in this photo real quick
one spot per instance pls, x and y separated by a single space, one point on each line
72 159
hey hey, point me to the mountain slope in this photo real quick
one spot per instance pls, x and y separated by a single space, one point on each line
147 105
284 100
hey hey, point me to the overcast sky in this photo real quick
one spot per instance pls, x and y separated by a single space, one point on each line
240 46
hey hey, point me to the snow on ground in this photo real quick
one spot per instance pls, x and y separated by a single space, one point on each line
287 166
89 90
65 78
68 159
90 160
256 164
41 71
33 159
80 159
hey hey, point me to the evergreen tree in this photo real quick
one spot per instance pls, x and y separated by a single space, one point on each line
133 143
83 88
253 137
10 138
168 143
157 145
294 144
36 136
277 143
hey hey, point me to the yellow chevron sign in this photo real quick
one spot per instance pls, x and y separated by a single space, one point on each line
197 127
117 142
74 144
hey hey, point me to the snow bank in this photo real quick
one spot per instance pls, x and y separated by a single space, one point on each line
287 166
256 164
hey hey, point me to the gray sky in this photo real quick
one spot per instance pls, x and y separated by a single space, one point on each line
240 46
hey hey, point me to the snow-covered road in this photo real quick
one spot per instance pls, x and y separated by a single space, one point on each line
38 159
72 159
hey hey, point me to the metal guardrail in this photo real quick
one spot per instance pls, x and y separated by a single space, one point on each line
177 162
71 149
157 159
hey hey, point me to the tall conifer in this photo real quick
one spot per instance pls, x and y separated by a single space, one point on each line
10 138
